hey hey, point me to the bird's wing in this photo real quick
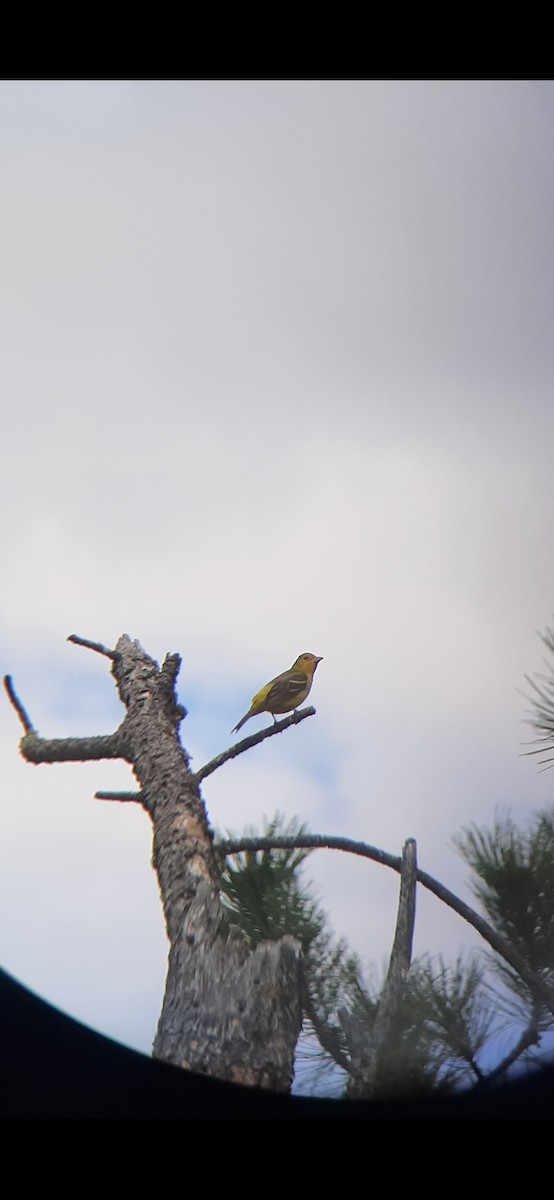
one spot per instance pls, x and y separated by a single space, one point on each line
286 688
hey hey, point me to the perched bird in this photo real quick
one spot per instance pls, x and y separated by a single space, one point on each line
286 691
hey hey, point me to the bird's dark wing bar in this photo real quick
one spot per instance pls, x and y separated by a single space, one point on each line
287 689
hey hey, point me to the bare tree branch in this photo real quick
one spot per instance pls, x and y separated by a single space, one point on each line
311 841
122 797
97 646
36 749
14 698
253 740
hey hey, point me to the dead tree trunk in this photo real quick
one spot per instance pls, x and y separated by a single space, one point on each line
228 1010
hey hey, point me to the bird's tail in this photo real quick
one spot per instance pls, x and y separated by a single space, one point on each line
241 723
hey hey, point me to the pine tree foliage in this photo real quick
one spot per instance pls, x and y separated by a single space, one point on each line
262 893
407 1063
542 718
453 1011
441 1027
513 880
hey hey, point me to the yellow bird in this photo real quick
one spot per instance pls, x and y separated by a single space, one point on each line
286 691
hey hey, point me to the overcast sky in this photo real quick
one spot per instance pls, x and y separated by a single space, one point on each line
277 365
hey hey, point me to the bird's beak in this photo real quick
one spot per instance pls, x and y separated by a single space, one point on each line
319 659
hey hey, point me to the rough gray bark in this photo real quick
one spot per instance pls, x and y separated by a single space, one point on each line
228 1011
227 1004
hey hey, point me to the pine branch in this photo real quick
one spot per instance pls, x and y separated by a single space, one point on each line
542 719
